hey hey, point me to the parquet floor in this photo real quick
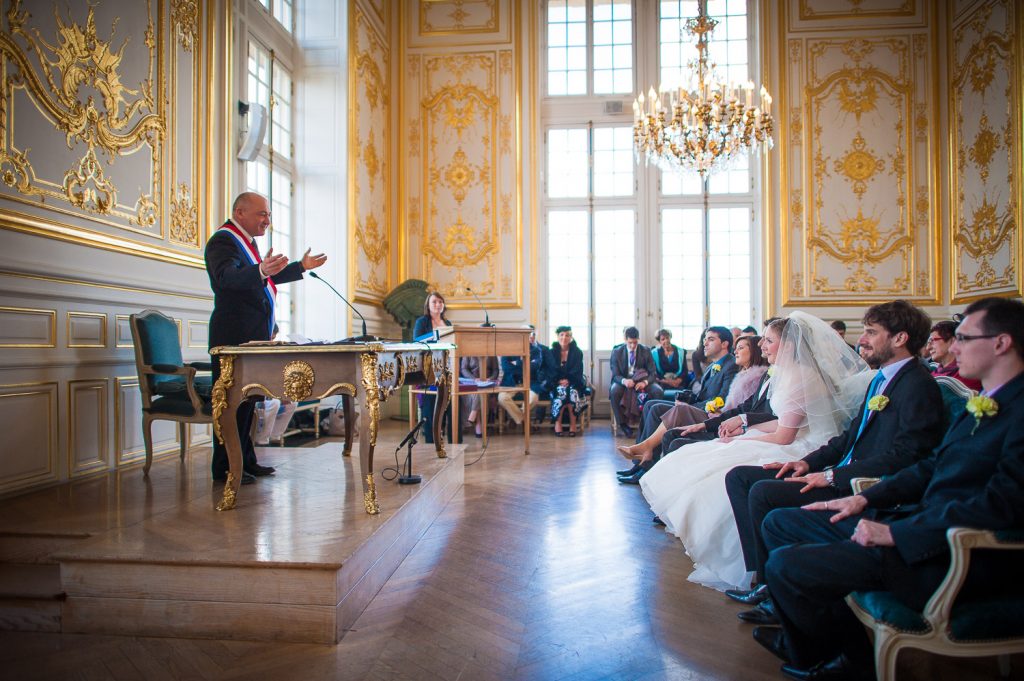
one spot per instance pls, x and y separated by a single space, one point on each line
541 567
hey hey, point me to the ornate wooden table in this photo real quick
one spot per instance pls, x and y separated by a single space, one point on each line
304 372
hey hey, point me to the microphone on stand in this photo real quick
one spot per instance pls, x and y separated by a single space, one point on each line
354 339
487 318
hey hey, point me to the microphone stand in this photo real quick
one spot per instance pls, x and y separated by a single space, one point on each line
352 339
487 318
407 478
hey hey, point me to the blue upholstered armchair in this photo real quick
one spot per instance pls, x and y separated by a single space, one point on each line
171 390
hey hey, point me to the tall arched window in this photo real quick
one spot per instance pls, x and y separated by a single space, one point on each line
625 244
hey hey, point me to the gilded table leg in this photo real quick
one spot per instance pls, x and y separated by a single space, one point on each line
225 426
368 431
441 404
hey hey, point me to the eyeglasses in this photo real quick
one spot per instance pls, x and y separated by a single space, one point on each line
963 338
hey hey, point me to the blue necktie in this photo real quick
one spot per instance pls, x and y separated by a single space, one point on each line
872 389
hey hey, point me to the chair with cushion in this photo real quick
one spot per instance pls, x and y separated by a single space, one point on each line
965 627
171 390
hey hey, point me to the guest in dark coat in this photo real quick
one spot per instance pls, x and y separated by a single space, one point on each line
566 384
512 375
974 478
633 379
669 362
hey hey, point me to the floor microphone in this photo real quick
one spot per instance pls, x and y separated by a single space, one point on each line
487 319
354 339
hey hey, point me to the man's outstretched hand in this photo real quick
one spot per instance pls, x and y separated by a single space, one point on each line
311 262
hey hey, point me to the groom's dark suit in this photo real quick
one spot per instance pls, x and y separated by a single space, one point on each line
241 313
974 478
893 438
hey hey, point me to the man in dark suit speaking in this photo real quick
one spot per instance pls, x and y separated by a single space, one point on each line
244 294
892 537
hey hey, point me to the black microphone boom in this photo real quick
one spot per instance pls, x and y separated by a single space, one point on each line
487 318
354 339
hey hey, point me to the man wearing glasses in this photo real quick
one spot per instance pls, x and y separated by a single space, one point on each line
244 295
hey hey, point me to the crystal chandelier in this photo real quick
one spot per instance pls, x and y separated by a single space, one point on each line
704 125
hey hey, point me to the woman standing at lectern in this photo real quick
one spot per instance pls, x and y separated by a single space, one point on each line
433 318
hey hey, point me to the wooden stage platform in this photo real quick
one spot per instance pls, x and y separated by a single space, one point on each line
297 560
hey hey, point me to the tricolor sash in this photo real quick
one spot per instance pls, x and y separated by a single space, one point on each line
253 256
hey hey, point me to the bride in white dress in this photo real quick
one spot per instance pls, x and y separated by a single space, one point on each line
816 387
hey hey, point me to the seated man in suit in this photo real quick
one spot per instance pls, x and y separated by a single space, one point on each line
512 375
974 478
633 379
715 382
899 422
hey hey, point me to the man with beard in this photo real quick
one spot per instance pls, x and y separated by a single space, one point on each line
898 424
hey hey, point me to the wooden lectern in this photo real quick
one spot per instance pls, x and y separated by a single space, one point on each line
482 341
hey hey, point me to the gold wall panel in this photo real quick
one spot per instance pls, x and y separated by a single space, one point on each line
445 23
129 446
859 154
28 419
22 327
105 124
855 12
463 203
458 16
87 426
86 330
370 158
985 145
123 332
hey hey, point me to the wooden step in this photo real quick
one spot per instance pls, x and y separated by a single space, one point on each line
30 597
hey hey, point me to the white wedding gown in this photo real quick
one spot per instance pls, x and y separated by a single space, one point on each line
686 489
818 386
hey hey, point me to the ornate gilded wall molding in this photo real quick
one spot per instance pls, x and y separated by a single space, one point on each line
103 109
370 160
463 197
985 178
859 161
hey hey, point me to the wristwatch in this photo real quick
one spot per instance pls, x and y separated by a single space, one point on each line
830 475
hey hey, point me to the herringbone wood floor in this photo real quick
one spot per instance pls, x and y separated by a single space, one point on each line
541 567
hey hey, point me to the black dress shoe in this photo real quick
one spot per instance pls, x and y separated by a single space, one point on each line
773 640
629 471
764 613
247 479
749 596
632 479
658 521
259 471
841 668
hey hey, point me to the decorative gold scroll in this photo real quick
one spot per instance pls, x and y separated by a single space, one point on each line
986 168
859 157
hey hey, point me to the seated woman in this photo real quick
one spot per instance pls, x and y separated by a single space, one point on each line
753 366
470 367
940 340
433 318
565 383
816 388
669 362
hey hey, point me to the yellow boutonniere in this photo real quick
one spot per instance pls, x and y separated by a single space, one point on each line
711 406
878 403
716 367
979 407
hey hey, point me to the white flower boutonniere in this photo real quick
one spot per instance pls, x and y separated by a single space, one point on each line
981 406
878 403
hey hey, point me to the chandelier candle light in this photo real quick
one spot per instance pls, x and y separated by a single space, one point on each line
704 125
